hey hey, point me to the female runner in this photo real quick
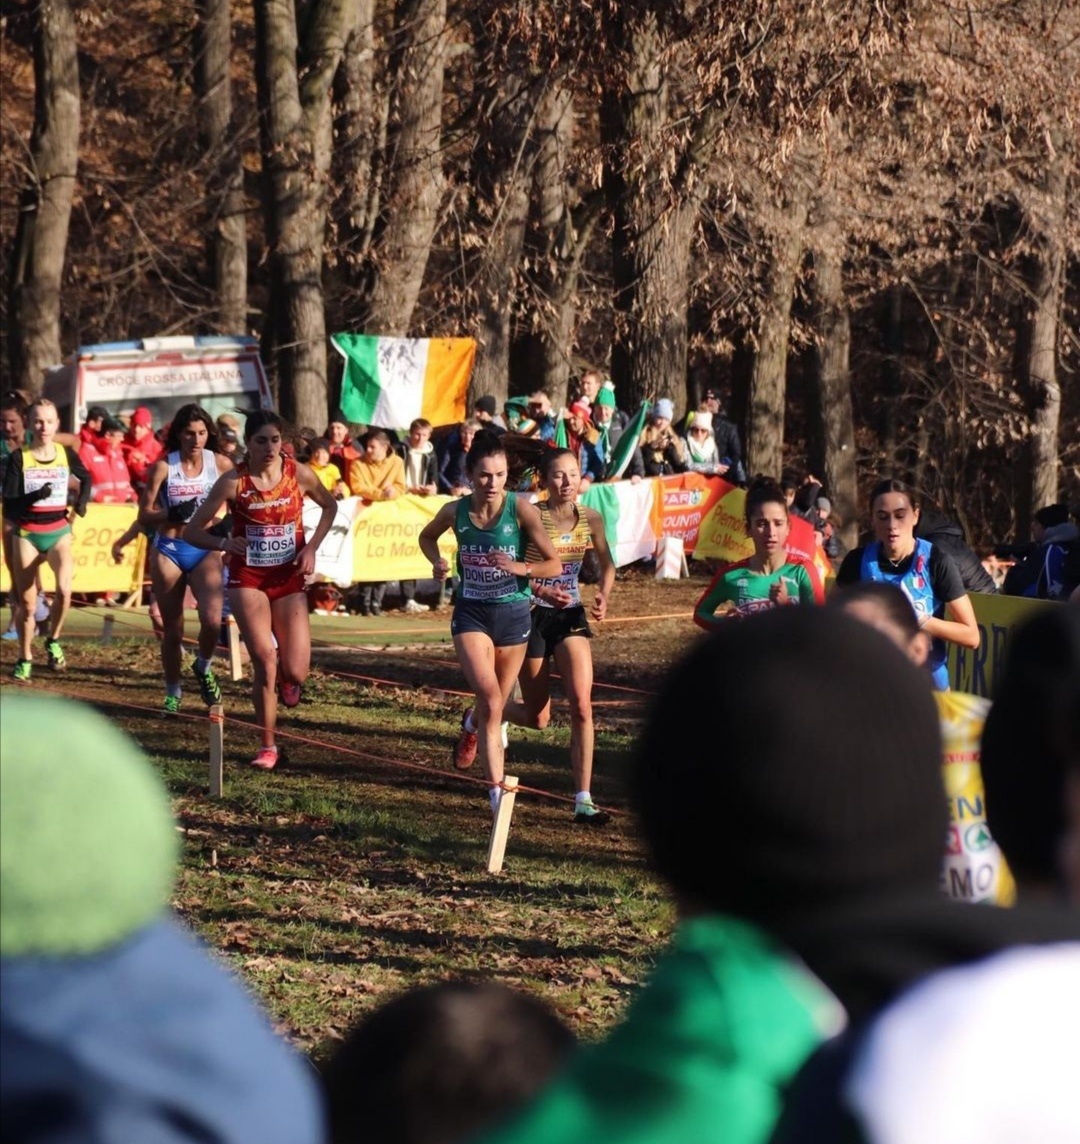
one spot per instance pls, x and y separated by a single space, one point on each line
269 561
36 502
560 627
491 622
177 485
927 575
768 579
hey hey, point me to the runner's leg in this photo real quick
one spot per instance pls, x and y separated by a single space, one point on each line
534 710
254 618
292 628
207 585
24 578
573 657
167 581
61 559
490 673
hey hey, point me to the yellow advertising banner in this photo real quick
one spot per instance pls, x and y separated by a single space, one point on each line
977 671
386 539
92 541
722 531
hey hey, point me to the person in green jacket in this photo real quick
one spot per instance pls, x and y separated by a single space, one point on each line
812 784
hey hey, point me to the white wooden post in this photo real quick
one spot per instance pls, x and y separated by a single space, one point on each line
500 828
236 666
106 630
217 749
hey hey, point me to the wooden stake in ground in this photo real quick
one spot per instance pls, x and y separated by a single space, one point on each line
500 828
236 666
217 750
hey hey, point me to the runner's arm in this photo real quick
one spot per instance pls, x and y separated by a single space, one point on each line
429 539
961 629
324 498
714 595
195 531
607 564
148 514
86 485
533 526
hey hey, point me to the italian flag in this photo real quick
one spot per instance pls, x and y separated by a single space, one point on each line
631 517
389 382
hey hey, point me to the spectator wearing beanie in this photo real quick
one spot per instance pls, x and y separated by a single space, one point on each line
116 1026
1041 574
485 411
663 450
142 450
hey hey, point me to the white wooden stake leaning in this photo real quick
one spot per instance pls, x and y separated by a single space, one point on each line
217 749
106 630
236 666
500 828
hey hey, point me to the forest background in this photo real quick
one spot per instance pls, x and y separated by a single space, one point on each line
857 219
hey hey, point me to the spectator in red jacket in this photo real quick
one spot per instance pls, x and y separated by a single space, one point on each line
105 462
141 448
91 430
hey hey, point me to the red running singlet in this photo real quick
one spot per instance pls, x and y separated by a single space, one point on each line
271 521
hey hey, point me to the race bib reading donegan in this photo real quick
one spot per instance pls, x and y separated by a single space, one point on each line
270 545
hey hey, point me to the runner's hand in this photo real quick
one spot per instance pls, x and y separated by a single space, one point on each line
599 607
305 561
440 569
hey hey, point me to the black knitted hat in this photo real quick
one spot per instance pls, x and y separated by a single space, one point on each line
793 759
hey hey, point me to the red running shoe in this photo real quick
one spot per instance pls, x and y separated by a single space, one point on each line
266 759
465 747
290 694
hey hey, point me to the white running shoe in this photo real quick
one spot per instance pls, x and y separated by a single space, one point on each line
414 608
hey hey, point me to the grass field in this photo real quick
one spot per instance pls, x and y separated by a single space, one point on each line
357 868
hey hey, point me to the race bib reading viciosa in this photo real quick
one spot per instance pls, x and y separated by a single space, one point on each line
270 545
56 476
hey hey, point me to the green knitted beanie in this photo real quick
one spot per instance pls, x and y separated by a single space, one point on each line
88 847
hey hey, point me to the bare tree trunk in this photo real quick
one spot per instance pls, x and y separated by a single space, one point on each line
227 229
654 220
833 380
1045 389
45 214
415 178
768 382
360 131
294 80
502 177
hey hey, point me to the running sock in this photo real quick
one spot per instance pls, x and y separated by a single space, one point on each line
202 666
582 796
175 690
470 722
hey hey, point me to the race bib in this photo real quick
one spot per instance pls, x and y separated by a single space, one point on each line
57 478
270 545
483 579
567 581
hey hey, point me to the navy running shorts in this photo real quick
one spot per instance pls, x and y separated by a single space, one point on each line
506 624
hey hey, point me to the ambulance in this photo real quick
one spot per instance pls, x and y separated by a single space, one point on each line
222 374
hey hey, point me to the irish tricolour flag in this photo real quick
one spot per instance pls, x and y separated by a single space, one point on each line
390 382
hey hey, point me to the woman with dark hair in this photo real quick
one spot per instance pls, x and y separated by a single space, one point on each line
177 485
491 624
768 579
560 626
926 574
269 562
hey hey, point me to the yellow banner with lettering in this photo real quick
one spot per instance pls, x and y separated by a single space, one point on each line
386 539
92 539
977 671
